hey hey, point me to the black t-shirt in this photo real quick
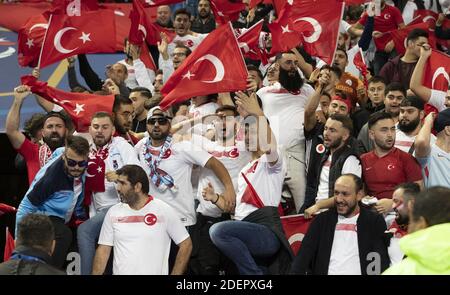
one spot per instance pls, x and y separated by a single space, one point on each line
139 126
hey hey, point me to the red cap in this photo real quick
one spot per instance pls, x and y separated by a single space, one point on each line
347 101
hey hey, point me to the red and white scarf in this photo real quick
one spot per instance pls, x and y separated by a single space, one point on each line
95 177
44 154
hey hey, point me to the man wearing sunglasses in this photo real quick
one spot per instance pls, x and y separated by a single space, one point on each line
58 191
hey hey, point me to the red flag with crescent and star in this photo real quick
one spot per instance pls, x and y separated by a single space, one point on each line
80 106
249 42
67 36
436 72
225 10
30 39
215 66
295 228
399 36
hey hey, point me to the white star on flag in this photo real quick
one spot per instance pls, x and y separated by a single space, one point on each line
30 43
99 169
290 2
188 75
85 37
79 108
149 2
286 29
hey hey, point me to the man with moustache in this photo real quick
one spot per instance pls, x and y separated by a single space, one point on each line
123 113
54 134
386 166
204 23
140 230
58 192
107 155
342 240
402 198
410 123
284 106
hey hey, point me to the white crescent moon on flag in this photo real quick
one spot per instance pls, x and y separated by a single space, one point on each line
440 71
244 46
57 41
143 30
87 174
40 25
220 71
316 26
296 238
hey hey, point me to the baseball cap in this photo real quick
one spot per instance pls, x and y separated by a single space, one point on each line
158 112
442 120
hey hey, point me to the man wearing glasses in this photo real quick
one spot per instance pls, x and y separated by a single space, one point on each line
57 191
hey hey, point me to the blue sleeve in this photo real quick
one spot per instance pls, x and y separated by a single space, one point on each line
366 36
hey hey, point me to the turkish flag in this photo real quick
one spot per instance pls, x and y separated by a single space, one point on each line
425 16
250 195
215 66
284 37
68 36
4 209
151 3
138 32
249 41
295 228
399 36
437 69
29 40
9 246
319 23
225 10
147 58
73 7
80 106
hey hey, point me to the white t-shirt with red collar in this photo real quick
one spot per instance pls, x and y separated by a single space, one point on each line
267 181
141 238
286 112
177 162
234 158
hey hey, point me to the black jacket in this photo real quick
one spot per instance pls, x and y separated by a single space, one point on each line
29 267
314 255
280 263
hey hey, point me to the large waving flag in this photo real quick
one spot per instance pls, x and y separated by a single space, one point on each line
437 69
215 66
295 228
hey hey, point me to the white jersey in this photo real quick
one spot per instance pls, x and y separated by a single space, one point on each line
344 258
265 179
139 75
141 238
188 40
120 153
200 111
404 142
234 158
285 112
177 162
437 99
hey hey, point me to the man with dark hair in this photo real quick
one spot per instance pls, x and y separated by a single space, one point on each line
427 244
256 75
163 16
386 166
394 94
138 96
54 133
409 123
400 68
57 191
123 114
336 157
342 240
107 155
204 23
332 75
35 243
284 105
140 229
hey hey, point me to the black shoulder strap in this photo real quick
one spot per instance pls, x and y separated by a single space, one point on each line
411 149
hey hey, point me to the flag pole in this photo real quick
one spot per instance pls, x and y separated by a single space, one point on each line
43 41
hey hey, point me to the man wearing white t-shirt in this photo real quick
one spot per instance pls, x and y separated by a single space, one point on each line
107 154
437 98
256 231
409 123
284 106
346 240
140 230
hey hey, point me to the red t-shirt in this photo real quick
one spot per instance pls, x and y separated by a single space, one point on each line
388 20
30 152
383 174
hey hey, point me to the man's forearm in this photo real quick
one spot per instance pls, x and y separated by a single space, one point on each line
101 259
183 255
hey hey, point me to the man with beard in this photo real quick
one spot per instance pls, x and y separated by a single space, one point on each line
342 240
410 123
336 156
402 198
139 96
394 94
107 155
54 134
386 166
204 23
57 191
169 163
284 106
123 114
140 229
